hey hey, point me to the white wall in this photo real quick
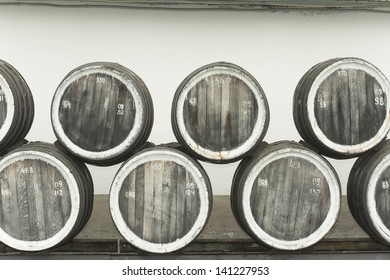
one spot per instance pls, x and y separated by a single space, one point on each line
164 46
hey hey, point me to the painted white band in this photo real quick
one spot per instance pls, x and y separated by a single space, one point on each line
138 120
311 104
377 221
74 196
125 170
257 129
334 189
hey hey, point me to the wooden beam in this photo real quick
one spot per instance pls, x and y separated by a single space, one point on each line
373 5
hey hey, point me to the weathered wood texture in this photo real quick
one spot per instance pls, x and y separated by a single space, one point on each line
219 113
101 112
368 193
373 5
341 107
160 201
16 107
40 207
286 196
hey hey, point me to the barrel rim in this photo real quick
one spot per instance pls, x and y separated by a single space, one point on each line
74 195
376 220
205 197
134 133
348 63
334 191
261 124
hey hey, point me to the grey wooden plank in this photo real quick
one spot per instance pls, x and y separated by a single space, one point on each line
100 226
376 5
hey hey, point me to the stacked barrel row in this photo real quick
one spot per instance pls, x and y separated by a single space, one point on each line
160 198
102 114
284 194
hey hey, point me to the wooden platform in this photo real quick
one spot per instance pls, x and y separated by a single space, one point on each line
221 238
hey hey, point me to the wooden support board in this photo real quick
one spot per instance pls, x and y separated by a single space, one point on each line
373 5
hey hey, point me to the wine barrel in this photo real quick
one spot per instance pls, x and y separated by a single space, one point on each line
368 193
341 107
286 196
46 197
101 112
219 113
160 199
16 107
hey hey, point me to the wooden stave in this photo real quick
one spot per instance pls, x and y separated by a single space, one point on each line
236 188
301 118
358 188
27 105
361 192
355 197
174 122
16 117
174 148
236 196
311 137
84 187
355 176
238 184
311 134
83 178
300 101
355 194
23 106
148 116
148 106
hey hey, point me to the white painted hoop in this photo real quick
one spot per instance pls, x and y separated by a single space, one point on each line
377 222
74 195
204 196
348 63
330 219
130 139
257 129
